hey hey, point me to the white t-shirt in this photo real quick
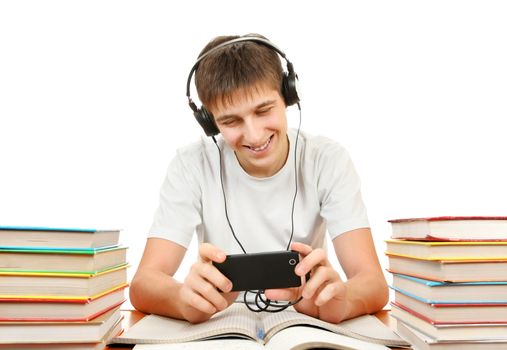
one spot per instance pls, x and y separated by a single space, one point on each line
259 209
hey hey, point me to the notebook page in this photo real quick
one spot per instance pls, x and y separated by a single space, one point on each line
153 329
222 344
301 337
366 327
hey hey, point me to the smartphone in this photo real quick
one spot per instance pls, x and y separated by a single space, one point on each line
260 271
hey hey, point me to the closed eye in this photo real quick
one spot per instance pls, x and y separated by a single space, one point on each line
228 121
264 111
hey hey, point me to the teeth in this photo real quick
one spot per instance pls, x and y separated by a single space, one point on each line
263 147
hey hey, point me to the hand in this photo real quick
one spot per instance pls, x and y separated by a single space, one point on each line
205 290
324 294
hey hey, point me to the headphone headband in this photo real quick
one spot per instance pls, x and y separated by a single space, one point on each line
262 41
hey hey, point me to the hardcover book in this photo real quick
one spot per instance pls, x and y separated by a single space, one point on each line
437 292
454 313
421 341
87 260
451 228
32 236
436 250
59 332
60 308
452 332
55 345
52 285
450 270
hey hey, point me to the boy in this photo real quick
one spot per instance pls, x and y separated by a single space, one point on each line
239 197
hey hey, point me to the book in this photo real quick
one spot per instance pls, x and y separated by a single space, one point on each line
437 250
451 332
437 292
61 309
52 345
457 312
85 260
421 341
33 236
59 332
366 332
450 270
54 284
292 338
451 228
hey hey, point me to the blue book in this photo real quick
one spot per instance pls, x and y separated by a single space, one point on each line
56 237
436 292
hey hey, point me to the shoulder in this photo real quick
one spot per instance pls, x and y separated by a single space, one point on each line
320 149
197 153
200 147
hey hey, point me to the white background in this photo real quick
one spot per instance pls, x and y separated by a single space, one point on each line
92 102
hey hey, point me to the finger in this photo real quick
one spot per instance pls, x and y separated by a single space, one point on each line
230 297
320 277
309 262
209 252
206 291
210 293
195 300
211 274
330 291
282 294
301 248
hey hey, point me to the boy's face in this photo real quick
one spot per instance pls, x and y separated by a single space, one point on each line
254 125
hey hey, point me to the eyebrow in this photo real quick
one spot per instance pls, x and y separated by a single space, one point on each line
229 116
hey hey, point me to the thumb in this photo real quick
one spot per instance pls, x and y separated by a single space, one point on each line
286 294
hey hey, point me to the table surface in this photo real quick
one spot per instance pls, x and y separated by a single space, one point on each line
133 316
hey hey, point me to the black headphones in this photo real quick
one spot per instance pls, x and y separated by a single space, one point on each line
288 88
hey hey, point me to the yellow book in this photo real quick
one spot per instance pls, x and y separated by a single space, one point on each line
58 284
463 250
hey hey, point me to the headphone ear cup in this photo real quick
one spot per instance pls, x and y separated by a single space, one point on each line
290 88
206 121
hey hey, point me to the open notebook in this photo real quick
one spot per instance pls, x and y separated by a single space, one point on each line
260 330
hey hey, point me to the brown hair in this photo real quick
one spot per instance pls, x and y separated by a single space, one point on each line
239 66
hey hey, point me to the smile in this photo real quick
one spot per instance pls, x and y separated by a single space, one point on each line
263 147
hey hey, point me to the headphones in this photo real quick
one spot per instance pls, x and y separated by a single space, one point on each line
289 84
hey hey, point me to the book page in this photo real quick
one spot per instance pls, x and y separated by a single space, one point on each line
236 321
367 327
304 337
222 344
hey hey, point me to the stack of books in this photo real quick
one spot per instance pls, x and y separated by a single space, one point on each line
60 288
450 281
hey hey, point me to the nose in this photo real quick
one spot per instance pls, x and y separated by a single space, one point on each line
253 132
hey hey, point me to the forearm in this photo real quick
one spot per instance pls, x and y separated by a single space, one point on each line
366 293
155 292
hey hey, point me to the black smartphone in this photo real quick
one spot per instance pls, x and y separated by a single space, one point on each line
260 271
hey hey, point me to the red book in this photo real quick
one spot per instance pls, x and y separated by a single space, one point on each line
451 228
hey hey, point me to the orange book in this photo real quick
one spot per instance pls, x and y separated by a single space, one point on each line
60 308
458 270
92 331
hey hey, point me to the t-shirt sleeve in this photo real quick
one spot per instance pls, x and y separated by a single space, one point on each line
178 213
339 190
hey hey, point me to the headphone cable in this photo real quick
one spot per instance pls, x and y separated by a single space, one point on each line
261 302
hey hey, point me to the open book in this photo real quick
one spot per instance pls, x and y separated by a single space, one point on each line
290 328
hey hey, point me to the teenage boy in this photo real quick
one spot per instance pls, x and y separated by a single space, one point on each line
240 87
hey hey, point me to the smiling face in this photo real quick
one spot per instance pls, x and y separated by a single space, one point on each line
254 125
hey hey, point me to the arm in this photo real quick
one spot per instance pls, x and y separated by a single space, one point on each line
366 288
154 290
325 295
